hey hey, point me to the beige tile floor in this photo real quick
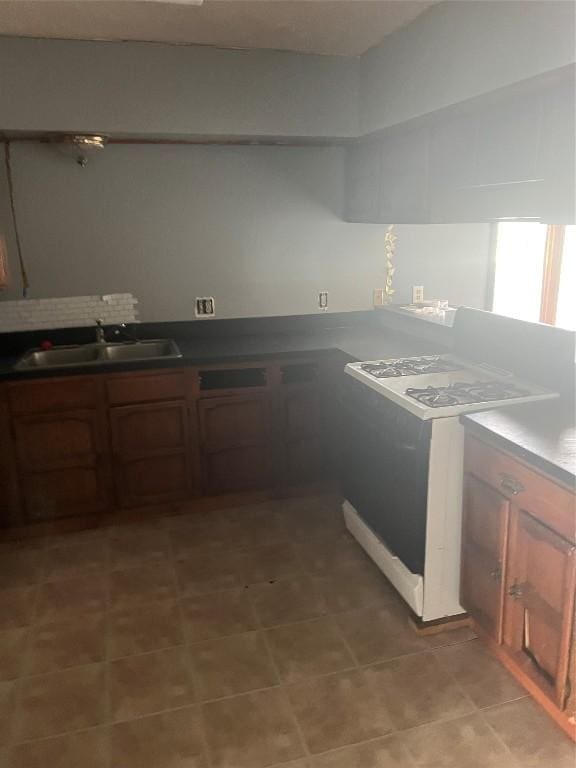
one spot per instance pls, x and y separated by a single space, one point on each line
242 638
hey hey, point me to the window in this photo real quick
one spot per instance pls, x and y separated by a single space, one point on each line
535 273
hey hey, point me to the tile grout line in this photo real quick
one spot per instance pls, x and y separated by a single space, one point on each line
341 635
16 712
477 708
283 687
107 645
497 736
283 692
190 666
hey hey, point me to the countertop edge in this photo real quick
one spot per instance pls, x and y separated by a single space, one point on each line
557 473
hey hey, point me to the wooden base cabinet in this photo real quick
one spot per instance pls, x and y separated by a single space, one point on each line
82 446
150 444
487 514
235 442
61 452
519 573
299 424
540 604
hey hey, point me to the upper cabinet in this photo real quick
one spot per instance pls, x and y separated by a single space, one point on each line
403 178
387 179
558 154
505 156
363 182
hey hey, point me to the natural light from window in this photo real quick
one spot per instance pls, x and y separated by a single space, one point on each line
566 311
520 248
535 273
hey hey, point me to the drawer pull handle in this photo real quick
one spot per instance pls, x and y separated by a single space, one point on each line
510 484
516 591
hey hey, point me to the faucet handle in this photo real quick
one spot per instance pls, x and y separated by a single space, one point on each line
99 322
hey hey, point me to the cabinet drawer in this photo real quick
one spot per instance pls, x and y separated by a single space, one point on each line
53 395
139 388
529 490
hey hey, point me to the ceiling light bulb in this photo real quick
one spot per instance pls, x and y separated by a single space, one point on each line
82 146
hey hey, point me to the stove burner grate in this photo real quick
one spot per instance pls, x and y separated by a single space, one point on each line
465 393
409 366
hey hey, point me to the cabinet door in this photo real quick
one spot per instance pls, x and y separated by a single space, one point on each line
484 539
540 604
452 168
10 508
151 452
59 464
558 153
363 182
404 178
508 140
300 434
235 442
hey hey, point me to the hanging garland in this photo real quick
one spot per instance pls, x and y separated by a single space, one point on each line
390 249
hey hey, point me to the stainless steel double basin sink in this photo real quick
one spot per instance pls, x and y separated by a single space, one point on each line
97 354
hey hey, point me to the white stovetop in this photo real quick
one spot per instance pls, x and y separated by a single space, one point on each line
394 388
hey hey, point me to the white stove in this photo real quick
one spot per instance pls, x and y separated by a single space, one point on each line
439 386
403 467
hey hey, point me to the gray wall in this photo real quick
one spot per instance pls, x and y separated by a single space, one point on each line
146 88
458 50
449 260
453 52
259 228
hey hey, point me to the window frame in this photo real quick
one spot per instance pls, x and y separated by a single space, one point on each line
550 287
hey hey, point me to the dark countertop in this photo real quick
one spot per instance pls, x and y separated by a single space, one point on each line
543 434
357 342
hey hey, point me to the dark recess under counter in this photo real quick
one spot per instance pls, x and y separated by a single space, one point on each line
543 434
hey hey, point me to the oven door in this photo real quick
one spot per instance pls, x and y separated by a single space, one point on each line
384 470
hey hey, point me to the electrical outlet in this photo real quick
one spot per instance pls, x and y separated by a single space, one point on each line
378 297
417 294
205 306
323 300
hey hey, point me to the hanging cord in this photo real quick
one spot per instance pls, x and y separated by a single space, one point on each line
23 272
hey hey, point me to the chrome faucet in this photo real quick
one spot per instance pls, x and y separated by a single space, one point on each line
100 333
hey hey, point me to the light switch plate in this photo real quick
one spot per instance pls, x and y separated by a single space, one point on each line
323 300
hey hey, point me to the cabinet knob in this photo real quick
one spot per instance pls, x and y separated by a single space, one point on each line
510 484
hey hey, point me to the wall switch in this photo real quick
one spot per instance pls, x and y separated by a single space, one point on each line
379 297
323 300
205 306
417 294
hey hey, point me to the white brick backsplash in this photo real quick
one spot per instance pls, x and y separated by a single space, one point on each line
67 312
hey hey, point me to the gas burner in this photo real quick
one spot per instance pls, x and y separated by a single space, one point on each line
409 366
465 393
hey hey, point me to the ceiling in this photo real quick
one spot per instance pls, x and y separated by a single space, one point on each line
344 27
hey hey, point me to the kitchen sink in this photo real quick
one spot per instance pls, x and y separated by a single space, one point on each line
141 350
58 357
97 354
